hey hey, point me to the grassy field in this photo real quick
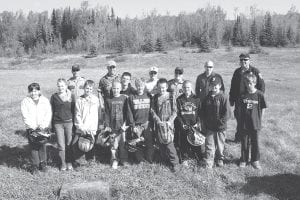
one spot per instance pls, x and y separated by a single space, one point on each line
280 137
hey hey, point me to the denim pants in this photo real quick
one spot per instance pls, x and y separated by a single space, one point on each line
117 148
250 143
168 154
214 146
64 139
38 152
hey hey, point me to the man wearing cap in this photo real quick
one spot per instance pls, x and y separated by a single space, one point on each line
238 86
76 83
202 82
105 82
150 86
175 85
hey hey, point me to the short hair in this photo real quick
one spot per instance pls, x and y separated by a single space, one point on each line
33 86
161 81
140 81
126 74
250 77
116 82
62 80
89 83
187 82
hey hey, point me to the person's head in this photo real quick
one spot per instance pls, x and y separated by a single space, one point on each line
244 60
140 85
178 73
250 79
111 67
215 85
125 79
34 91
187 88
209 67
88 87
153 73
116 88
162 85
76 70
62 85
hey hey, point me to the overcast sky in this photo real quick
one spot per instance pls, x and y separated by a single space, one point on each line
134 8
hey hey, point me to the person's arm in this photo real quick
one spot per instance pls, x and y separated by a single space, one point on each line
179 116
107 114
260 84
174 111
78 117
48 115
130 118
28 121
197 89
223 111
233 86
222 84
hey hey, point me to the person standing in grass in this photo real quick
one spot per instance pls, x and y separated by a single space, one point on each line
163 111
63 109
127 89
215 112
76 82
238 87
175 85
202 82
252 104
86 120
151 84
36 113
188 115
138 114
115 116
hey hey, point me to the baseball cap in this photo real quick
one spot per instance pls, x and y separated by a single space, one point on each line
153 69
111 63
244 56
179 70
215 80
209 63
75 68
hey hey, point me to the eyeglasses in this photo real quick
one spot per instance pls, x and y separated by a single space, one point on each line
178 72
112 67
153 72
244 60
209 67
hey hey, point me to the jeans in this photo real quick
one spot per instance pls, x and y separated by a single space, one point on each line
214 146
38 152
168 154
250 143
237 115
64 139
118 151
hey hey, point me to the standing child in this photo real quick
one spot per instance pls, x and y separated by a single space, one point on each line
86 120
115 115
164 112
253 105
215 113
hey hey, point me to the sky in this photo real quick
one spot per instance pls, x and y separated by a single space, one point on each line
133 8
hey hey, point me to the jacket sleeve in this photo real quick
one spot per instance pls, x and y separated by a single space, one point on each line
233 86
260 84
224 112
48 115
26 116
222 82
179 116
129 105
174 110
197 89
78 117
107 114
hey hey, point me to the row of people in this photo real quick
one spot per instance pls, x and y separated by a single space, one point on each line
154 114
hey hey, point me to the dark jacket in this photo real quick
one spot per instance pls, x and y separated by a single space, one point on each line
202 84
115 112
215 112
62 110
238 85
138 110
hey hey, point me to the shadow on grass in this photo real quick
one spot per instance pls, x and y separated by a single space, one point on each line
18 156
281 186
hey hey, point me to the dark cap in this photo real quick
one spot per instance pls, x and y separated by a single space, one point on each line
215 80
179 70
244 56
75 68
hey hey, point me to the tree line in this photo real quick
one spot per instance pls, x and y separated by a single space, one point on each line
99 29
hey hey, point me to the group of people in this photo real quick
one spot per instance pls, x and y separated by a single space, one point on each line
155 115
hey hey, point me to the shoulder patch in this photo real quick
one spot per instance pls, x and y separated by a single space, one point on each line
260 75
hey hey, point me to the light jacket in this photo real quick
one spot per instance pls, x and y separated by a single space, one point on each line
87 114
75 85
36 115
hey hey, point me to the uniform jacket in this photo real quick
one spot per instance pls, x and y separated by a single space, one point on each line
105 85
175 87
202 84
238 85
36 115
75 85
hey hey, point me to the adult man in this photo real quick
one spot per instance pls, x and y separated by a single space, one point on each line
127 89
76 82
105 82
151 86
202 82
238 86
175 85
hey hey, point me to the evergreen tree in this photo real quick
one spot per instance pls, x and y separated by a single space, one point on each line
66 27
253 32
291 36
159 45
267 35
147 46
237 33
204 42
281 39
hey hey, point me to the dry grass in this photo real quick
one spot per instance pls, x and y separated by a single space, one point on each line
280 138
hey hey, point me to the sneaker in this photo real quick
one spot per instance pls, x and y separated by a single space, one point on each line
185 163
208 166
124 163
43 167
63 167
242 164
69 166
220 163
34 170
114 164
256 165
173 169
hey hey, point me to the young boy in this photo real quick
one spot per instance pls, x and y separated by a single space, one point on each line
127 89
86 118
76 83
215 113
188 115
253 105
138 113
163 112
115 115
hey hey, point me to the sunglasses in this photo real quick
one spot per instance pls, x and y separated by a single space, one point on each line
209 67
244 60
112 67
153 72
178 72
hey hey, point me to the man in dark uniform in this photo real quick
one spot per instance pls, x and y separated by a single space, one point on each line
238 87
